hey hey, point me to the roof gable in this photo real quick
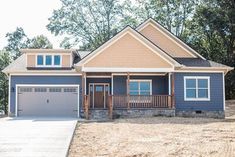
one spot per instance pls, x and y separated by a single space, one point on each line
166 40
129 48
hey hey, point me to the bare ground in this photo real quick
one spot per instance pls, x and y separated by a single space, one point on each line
157 136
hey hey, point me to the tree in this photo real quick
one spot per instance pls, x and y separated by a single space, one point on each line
88 22
212 33
173 14
5 60
19 40
16 41
40 42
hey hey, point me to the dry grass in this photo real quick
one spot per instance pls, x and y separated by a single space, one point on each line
158 136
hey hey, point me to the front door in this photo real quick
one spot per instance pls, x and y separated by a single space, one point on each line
98 95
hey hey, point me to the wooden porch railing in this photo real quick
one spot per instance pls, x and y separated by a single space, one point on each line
132 101
142 101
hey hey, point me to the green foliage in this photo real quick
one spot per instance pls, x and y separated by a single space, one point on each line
212 33
88 22
16 41
5 60
40 42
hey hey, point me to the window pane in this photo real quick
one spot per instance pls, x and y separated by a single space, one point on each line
48 60
191 93
144 85
134 93
39 60
144 93
56 60
202 83
133 85
190 83
99 88
202 93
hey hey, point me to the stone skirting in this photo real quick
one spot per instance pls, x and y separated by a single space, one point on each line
206 114
138 113
135 113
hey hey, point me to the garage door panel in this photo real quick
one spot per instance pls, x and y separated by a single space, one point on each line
50 102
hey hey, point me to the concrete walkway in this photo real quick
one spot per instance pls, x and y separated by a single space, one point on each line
35 137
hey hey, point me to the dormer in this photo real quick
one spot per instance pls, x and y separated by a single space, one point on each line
49 58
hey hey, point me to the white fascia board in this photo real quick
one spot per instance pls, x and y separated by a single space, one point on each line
46 74
86 69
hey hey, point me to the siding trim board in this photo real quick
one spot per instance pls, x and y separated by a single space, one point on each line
9 94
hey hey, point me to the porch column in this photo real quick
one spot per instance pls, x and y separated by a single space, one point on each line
169 83
127 89
173 90
84 96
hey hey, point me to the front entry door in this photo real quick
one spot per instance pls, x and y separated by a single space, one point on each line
99 95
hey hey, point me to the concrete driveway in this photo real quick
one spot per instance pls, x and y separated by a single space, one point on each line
35 137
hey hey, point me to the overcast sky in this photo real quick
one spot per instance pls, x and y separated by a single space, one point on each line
31 15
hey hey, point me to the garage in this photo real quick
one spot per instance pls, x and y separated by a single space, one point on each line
47 100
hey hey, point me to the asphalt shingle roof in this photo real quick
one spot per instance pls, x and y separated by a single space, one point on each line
198 62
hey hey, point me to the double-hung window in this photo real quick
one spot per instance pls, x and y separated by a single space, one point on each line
196 88
140 87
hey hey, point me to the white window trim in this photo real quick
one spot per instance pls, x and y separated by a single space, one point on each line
141 80
197 99
44 60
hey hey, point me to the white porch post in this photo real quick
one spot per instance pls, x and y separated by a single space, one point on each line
169 83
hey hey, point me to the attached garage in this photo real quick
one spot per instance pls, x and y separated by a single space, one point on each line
47 100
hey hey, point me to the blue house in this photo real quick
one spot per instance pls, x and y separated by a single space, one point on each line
139 72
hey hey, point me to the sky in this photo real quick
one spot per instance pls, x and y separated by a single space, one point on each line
31 15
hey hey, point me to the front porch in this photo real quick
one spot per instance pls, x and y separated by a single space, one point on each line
117 95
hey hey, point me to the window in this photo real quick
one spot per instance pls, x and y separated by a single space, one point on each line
70 90
140 87
25 89
48 60
197 88
40 60
54 89
57 60
40 89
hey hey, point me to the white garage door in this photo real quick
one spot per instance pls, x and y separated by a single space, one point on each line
56 101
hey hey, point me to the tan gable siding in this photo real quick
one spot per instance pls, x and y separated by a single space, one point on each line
66 61
128 52
164 42
31 60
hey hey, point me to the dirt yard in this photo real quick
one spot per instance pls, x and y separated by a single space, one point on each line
158 136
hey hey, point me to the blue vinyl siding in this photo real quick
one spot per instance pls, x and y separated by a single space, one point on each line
159 84
216 93
42 80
